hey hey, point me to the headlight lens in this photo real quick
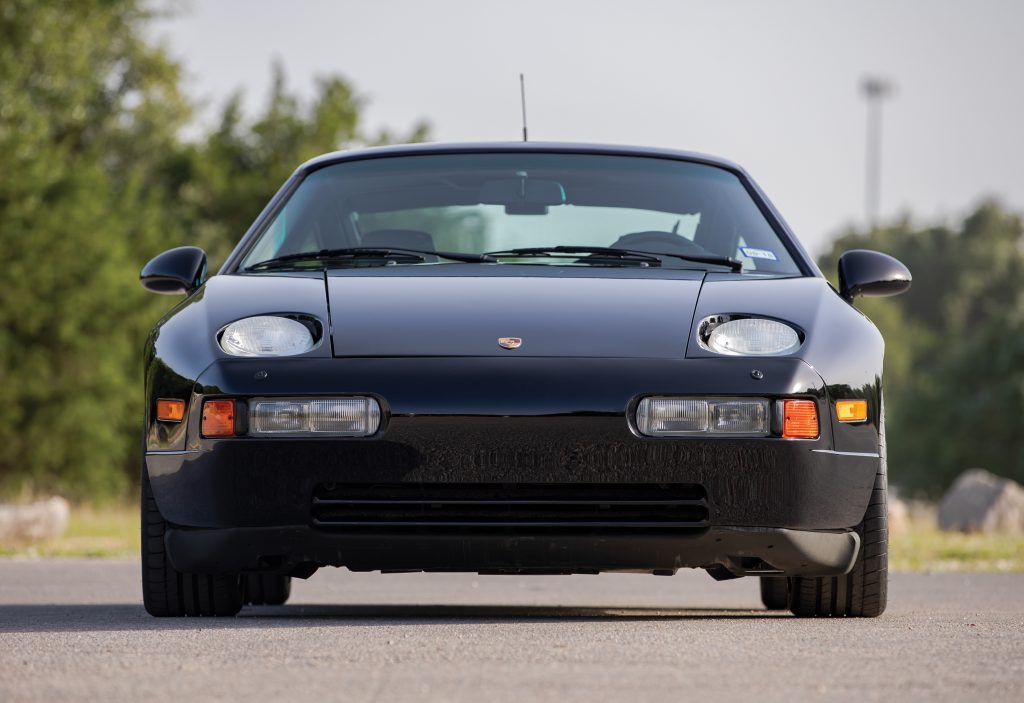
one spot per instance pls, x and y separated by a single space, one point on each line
266 335
753 336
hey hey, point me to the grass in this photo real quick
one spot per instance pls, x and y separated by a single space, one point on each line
113 531
93 531
923 547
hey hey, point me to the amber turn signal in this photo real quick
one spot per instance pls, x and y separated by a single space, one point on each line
170 410
219 418
800 419
851 410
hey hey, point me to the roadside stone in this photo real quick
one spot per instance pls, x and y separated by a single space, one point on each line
43 520
979 501
899 517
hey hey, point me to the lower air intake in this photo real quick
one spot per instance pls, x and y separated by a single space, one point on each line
439 505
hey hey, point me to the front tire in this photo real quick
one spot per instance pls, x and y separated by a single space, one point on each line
863 592
167 592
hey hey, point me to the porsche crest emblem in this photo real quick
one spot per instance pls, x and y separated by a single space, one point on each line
510 342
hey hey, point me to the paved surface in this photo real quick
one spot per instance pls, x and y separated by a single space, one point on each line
75 630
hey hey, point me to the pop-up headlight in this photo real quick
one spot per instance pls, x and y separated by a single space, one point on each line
266 335
747 336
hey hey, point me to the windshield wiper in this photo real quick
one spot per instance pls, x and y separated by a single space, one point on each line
571 251
396 253
648 257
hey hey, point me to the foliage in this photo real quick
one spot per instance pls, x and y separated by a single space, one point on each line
94 181
225 180
82 121
924 547
954 347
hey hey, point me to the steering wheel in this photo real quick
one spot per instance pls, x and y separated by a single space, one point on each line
656 241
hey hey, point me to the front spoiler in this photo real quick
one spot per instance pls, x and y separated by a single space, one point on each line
742 551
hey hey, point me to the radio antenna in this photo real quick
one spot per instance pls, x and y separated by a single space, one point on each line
522 96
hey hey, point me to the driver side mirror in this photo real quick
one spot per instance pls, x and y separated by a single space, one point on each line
865 272
174 272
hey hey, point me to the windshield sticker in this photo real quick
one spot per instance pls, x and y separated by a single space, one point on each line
752 253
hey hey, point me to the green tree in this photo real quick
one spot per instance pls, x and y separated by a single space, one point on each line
224 181
967 412
94 181
954 344
86 110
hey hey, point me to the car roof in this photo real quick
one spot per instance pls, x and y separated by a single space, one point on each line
513 147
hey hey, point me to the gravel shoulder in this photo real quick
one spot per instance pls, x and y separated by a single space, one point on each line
75 630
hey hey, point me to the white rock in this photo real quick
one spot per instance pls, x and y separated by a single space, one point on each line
982 502
33 522
899 517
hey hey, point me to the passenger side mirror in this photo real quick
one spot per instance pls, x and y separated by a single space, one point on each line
174 272
865 272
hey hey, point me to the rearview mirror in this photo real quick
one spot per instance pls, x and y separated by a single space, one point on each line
522 196
174 272
865 272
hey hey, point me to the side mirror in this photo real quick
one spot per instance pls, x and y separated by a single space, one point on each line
174 272
864 272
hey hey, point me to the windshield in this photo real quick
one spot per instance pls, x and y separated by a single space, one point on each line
496 202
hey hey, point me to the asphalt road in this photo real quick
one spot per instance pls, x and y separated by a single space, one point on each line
75 630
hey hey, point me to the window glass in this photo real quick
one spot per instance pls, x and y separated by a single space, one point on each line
494 202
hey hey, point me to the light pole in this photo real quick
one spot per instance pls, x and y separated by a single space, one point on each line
875 89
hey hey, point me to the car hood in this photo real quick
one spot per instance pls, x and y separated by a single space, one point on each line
576 316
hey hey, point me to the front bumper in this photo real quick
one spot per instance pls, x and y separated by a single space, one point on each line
509 422
741 551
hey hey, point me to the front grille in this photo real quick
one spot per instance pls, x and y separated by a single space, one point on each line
538 505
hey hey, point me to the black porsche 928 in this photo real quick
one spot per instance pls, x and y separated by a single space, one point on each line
515 359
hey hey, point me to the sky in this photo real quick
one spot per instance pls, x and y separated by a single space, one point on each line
773 86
